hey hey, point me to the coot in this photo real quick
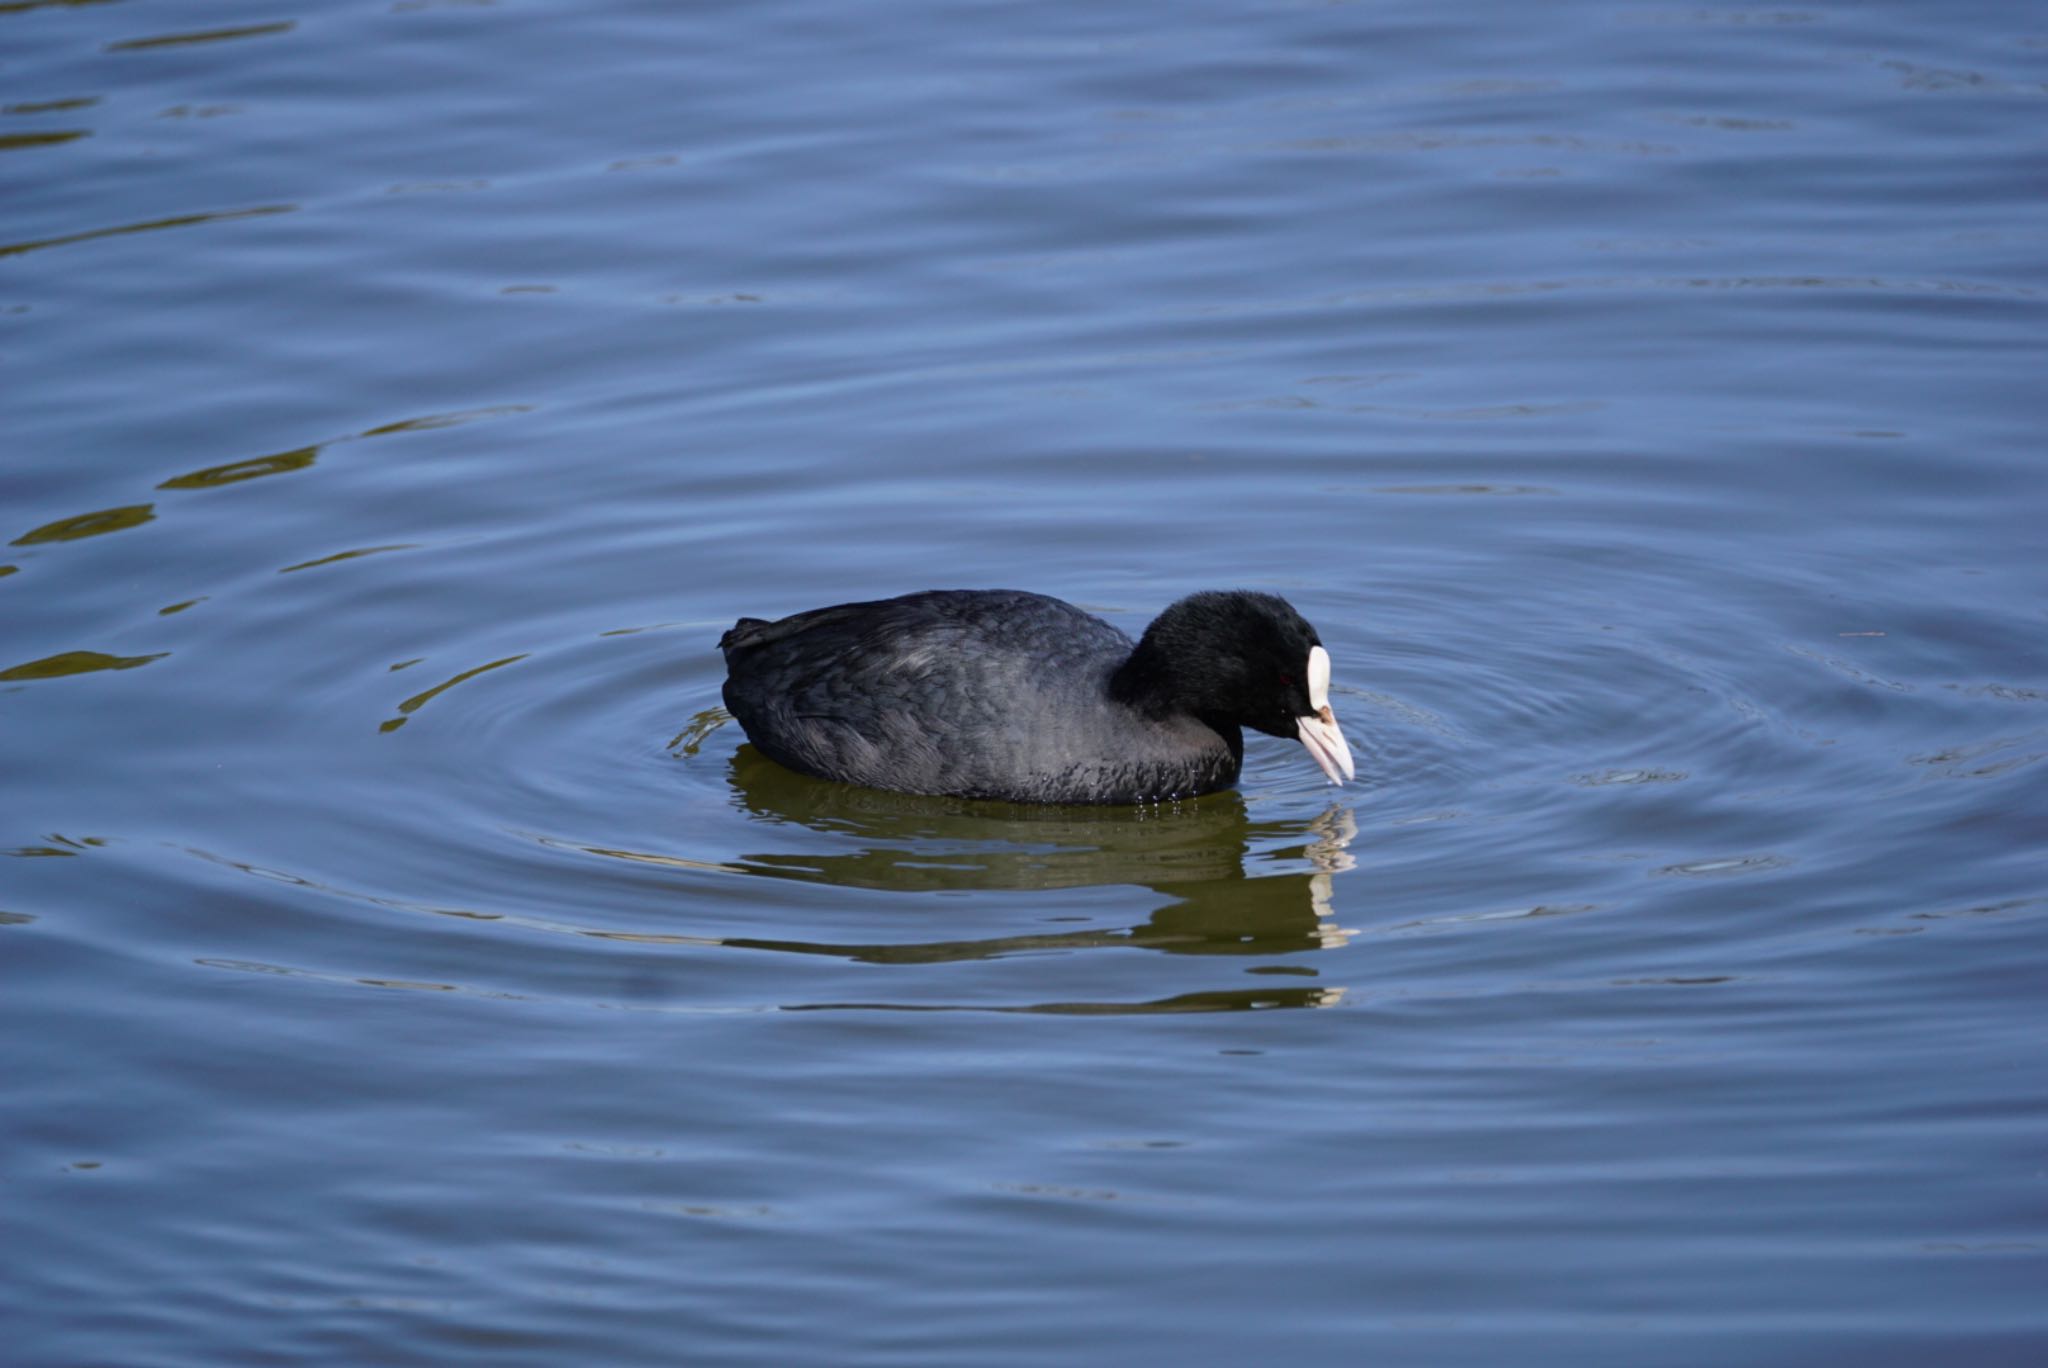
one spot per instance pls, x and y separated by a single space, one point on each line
997 693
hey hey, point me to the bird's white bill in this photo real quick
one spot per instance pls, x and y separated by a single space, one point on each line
1325 741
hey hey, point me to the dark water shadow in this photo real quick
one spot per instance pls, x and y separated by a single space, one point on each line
1198 856
1227 1000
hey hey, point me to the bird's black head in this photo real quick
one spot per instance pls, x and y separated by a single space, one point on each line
1239 659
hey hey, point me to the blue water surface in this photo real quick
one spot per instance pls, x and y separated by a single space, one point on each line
404 960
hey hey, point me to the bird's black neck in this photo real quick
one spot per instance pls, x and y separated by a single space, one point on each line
1147 684
1145 681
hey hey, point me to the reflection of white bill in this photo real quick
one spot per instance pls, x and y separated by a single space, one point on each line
1329 935
1335 829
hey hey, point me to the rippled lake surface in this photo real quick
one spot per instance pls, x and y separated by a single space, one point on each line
403 960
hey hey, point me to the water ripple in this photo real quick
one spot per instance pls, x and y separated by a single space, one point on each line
152 225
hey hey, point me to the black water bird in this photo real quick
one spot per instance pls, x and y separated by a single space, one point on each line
998 693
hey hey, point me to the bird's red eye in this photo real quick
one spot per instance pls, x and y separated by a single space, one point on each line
1287 681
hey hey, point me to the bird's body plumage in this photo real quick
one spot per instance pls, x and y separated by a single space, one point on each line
975 694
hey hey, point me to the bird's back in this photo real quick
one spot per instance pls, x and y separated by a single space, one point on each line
975 693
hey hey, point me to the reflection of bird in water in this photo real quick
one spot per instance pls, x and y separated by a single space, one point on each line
1192 853
1223 1000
